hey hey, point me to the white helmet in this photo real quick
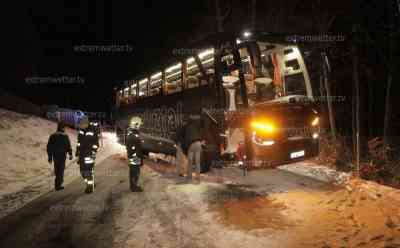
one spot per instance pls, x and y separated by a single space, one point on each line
135 122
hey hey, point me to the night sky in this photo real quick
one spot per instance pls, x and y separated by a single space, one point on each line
42 36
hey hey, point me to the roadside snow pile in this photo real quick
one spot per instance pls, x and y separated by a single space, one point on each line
25 173
318 172
23 149
374 191
371 209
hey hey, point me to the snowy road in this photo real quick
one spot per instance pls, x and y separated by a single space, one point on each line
267 208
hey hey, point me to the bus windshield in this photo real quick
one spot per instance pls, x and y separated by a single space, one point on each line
279 73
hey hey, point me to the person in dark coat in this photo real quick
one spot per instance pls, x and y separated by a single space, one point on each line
57 148
134 153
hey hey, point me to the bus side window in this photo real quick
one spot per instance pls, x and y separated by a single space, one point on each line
207 61
173 79
155 84
133 92
143 88
193 73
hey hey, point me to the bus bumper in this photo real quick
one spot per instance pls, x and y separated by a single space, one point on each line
284 152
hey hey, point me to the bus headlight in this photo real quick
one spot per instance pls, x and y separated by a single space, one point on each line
315 122
268 142
265 127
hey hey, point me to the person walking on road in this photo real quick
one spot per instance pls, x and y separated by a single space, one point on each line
86 150
58 146
134 153
195 139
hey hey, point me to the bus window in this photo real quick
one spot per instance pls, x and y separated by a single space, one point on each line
287 69
119 98
155 84
143 88
193 73
248 71
133 92
293 75
270 85
207 60
173 79
125 96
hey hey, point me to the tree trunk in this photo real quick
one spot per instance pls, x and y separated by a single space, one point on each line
221 17
328 96
357 106
253 14
388 106
370 104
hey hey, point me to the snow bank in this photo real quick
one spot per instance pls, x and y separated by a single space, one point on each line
23 140
319 172
25 173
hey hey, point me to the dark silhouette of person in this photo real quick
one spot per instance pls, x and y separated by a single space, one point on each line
57 148
135 153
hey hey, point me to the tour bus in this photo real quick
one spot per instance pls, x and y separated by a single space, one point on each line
253 95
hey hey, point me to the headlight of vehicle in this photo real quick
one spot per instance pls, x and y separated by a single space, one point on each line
315 121
264 127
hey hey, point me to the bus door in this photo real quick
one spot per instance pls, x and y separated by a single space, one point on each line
238 83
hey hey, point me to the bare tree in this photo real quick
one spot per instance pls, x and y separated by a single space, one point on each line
356 108
324 20
392 43
221 17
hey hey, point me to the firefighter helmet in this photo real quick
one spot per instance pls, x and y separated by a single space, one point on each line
135 122
84 123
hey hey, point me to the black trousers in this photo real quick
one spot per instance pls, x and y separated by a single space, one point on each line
134 173
59 167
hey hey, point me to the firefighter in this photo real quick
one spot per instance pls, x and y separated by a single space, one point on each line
57 148
88 144
96 127
134 153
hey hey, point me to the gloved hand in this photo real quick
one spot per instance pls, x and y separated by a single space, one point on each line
50 159
70 157
76 153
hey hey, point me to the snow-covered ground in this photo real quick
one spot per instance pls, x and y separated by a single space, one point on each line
267 208
282 207
24 170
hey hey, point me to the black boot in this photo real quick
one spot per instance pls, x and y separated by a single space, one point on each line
89 189
137 189
59 188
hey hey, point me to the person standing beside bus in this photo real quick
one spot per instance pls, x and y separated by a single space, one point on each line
134 153
181 149
195 140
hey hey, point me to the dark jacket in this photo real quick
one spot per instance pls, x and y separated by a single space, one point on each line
180 134
58 145
180 137
133 144
193 131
